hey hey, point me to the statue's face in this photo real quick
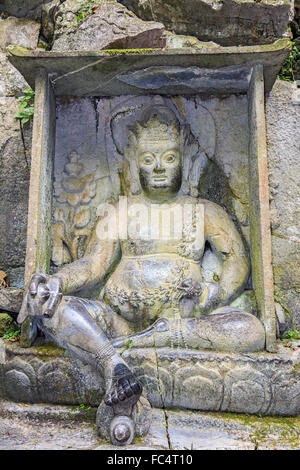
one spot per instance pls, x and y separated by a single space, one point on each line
159 165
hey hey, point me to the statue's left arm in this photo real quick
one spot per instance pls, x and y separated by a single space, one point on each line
225 240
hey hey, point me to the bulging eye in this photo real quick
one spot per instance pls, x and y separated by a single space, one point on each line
148 159
170 157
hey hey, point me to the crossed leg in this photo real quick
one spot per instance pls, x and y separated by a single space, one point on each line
226 329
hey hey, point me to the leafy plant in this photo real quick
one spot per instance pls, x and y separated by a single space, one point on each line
12 335
292 335
86 8
26 107
83 407
287 71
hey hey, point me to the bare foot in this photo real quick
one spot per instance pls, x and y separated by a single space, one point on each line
123 387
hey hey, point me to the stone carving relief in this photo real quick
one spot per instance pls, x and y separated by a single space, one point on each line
219 128
153 292
202 381
73 215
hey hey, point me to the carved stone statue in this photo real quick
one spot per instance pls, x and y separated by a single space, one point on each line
153 291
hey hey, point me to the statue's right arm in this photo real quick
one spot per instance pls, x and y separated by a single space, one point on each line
45 292
101 255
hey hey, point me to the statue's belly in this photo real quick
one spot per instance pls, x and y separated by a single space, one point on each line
142 287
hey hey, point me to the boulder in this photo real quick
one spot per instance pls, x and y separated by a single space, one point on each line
109 26
11 299
19 31
21 8
227 22
11 81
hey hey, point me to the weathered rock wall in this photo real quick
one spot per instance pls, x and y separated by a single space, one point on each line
15 142
227 22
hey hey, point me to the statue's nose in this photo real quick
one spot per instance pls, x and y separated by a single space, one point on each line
159 167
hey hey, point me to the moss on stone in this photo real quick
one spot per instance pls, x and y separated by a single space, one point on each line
49 349
128 51
265 428
17 50
7 324
280 299
262 429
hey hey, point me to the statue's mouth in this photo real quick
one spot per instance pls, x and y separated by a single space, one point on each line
159 178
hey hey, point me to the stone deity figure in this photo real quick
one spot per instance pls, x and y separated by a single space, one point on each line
154 293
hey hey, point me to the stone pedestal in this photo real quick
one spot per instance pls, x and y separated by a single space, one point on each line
254 383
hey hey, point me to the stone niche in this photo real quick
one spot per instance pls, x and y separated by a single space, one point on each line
83 103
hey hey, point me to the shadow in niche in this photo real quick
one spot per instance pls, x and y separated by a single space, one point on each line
214 186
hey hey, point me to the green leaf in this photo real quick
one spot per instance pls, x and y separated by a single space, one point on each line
20 115
28 92
23 105
30 109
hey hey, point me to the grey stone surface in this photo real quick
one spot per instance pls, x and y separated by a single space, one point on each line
49 427
216 431
11 81
226 22
40 190
96 73
14 181
11 299
47 375
283 114
111 26
15 31
21 8
194 435
260 221
19 31
254 383
246 301
179 41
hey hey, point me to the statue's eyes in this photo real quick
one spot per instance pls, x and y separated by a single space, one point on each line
169 158
148 159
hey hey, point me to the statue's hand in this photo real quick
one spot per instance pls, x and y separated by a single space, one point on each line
190 289
210 296
44 295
